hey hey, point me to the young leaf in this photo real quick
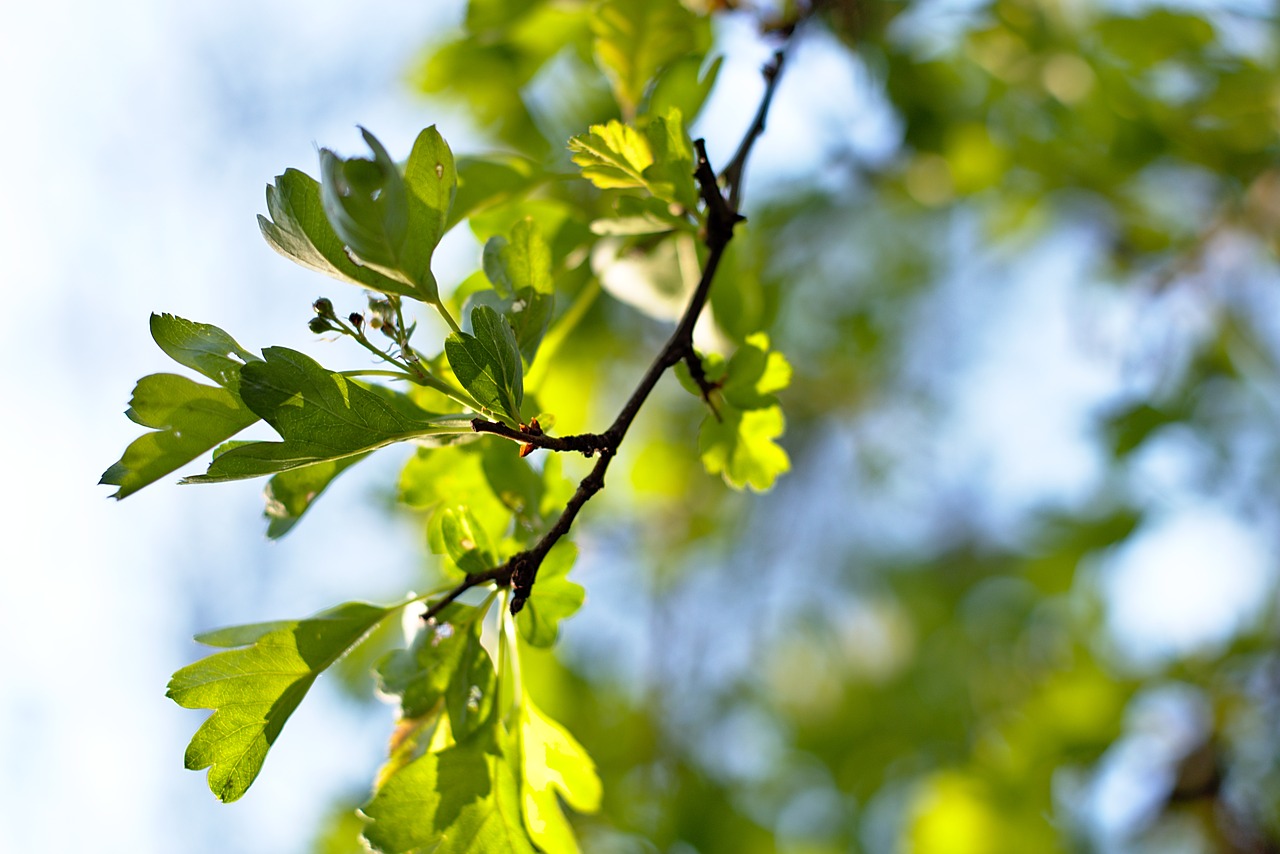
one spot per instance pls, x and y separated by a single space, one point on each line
520 270
321 416
464 799
737 442
367 204
739 446
291 493
488 364
657 157
612 156
554 763
554 597
298 229
254 690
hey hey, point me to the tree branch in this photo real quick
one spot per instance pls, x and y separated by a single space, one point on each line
521 569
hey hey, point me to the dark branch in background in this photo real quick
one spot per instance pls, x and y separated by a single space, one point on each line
521 569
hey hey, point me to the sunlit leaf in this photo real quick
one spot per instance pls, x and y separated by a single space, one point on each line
554 597
254 690
321 416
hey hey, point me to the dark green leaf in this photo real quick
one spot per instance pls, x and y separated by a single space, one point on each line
291 493
299 229
465 540
421 675
367 204
254 690
321 416
487 364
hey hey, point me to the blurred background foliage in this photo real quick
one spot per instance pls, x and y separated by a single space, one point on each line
1017 593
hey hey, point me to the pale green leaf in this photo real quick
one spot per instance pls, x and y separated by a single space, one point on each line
553 598
554 764
254 690
464 799
291 493
740 446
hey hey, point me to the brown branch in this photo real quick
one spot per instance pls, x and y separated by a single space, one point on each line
521 569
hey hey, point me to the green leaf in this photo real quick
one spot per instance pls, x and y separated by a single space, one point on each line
188 419
520 270
321 416
202 347
754 373
739 446
421 674
471 698
657 157
453 477
635 39
554 597
462 800
554 763
465 540
612 156
367 204
254 690
488 364
431 178
291 493
298 229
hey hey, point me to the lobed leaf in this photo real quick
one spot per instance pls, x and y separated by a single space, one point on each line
464 799
254 690
421 674
321 416
739 446
188 418
554 764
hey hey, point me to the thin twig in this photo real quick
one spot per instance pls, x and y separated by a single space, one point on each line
521 569
733 173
